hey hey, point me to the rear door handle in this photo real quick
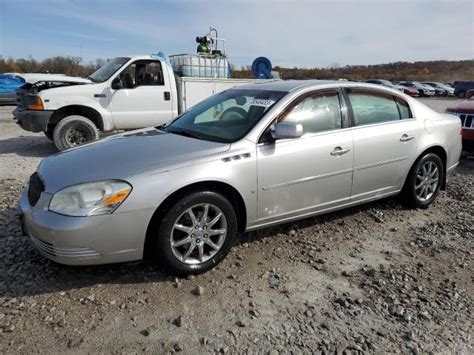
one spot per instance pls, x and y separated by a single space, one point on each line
100 95
406 138
339 151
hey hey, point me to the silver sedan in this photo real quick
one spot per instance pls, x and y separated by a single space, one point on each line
247 158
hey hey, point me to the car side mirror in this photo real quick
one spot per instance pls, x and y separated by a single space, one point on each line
117 84
286 130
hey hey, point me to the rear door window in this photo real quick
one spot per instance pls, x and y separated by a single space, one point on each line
404 109
373 107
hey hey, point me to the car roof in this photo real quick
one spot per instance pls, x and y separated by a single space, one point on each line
295 85
289 85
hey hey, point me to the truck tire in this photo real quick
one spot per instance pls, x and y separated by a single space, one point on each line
462 94
49 134
73 131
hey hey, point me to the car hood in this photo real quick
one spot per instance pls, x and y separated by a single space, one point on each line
122 156
33 78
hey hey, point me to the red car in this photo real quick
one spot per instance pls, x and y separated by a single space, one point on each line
409 91
465 111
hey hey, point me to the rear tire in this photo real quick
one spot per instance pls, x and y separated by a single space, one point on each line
187 245
73 131
423 182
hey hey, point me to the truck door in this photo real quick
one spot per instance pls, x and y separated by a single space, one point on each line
144 98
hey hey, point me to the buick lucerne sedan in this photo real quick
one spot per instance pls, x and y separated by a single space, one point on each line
246 158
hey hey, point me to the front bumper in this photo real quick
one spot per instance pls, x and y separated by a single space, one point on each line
30 120
118 237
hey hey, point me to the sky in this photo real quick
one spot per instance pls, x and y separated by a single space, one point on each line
293 33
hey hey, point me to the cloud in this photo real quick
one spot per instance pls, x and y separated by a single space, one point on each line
290 33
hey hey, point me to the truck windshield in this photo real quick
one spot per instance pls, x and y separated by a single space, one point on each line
225 117
107 70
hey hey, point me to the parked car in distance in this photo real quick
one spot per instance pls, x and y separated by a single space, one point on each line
383 82
465 111
441 89
407 90
423 90
8 84
247 158
462 87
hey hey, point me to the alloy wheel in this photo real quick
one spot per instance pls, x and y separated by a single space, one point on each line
427 178
198 233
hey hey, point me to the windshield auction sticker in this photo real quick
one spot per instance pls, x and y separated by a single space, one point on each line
261 102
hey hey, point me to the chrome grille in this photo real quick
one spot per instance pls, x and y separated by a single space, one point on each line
467 120
35 188
20 98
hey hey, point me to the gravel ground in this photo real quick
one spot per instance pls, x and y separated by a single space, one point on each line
373 279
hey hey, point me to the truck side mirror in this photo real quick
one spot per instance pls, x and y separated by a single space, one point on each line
117 84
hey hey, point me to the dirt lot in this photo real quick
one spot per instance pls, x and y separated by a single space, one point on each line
372 279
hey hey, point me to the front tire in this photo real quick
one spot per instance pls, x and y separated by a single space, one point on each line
196 233
49 134
461 94
423 182
73 131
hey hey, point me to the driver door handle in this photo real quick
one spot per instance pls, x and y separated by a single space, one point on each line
406 138
339 151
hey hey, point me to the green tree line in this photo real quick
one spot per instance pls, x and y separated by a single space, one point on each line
440 70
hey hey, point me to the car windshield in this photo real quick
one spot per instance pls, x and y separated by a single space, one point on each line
225 117
107 70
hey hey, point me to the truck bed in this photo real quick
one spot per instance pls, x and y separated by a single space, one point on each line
192 90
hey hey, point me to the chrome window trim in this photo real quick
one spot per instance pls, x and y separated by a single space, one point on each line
383 123
346 115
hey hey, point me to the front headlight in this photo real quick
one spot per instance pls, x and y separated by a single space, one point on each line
90 199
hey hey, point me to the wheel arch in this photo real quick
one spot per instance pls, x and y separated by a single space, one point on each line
81 110
439 151
228 191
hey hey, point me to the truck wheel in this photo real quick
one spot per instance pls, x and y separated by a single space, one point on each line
74 130
49 134
461 94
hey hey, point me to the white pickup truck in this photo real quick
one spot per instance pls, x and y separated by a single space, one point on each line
126 93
